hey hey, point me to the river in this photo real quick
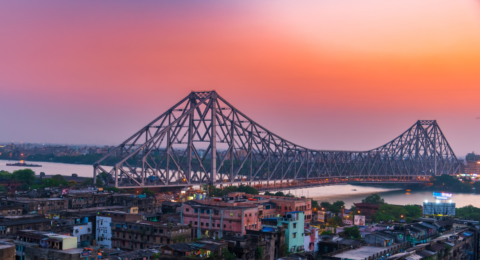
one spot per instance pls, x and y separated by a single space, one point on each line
331 193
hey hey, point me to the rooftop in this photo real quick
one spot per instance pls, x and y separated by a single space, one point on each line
362 252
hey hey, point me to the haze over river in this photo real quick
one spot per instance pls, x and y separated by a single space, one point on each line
331 193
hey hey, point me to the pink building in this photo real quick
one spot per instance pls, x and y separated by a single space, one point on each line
282 204
218 218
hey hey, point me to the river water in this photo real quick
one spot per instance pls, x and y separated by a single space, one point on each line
331 193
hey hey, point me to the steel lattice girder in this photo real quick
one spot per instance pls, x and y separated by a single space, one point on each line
203 139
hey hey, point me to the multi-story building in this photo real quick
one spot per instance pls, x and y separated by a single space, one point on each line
11 224
40 206
130 231
282 204
88 199
245 247
216 219
7 249
12 210
294 224
145 204
310 239
275 238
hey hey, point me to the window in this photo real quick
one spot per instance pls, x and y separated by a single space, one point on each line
250 214
294 225
196 210
294 235
201 224
187 209
224 226
245 215
296 208
202 211
190 222
206 224
218 225
286 208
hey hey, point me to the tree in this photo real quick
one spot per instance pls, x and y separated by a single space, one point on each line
374 199
25 176
468 212
335 221
352 232
2 189
88 181
327 232
148 192
269 193
447 182
227 255
279 193
259 253
315 205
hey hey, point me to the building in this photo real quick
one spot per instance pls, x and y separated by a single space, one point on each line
366 209
38 205
202 248
143 234
12 210
217 218
11 224
47 240
33 253
88 200
7 249
275 238
294 224
310 239
330 243
245 247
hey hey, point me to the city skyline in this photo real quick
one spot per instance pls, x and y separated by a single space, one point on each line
95 73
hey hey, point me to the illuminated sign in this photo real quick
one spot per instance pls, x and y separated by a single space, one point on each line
442 195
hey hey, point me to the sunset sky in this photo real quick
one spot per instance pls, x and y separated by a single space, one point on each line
326 74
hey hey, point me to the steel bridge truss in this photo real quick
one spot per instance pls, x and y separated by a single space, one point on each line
203 139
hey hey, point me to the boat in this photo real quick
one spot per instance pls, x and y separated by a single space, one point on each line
23 164
354 190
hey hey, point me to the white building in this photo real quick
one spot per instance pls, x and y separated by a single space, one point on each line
310 239
104 231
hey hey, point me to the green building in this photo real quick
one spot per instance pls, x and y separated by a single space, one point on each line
294 225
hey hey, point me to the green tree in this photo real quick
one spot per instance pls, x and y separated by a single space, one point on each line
327 232
279 193
227 255
374 198
335 221
88 181
315 205
2 189
468 212
447 182
352 232
148 192
25 176
5 175
259 253
269 193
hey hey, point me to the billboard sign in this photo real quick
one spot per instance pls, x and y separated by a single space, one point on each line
321 216
442 195
359 220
